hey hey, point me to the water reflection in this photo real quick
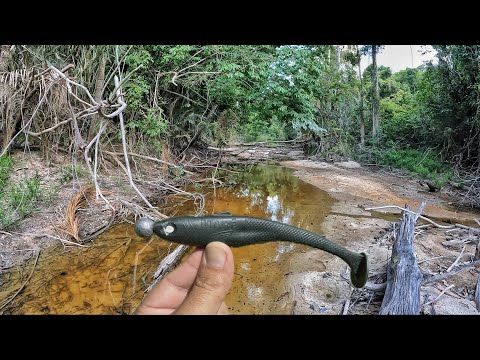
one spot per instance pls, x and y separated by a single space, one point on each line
269 192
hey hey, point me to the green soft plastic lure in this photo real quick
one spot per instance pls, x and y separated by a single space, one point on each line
246 230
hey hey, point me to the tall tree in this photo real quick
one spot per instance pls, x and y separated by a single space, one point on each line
373 50
338 50
376 95
362 119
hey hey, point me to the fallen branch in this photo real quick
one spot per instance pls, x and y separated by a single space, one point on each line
435 278
440 295
167 264
456 260
411 212
425 218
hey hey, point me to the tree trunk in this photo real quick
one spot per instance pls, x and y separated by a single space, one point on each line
6 116
97 95
376 95
362 119
402 295
337 56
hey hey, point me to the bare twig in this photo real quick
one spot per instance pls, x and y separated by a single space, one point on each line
456 260
438 297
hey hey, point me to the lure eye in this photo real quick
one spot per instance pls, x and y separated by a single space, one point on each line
170 228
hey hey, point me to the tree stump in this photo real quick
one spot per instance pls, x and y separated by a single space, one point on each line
477 289
402 295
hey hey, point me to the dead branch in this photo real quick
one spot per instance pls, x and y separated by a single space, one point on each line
426 219
404 209
435 278
456 260
125 152
147 158
440 295
167 264
93 173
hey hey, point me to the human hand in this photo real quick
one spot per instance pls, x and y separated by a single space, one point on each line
198 286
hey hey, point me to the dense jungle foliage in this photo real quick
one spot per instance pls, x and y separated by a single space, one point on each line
192 95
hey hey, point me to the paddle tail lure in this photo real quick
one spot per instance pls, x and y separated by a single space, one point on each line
246 230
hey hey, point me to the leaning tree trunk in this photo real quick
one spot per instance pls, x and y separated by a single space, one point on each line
402 295
376 94
97 95
362 119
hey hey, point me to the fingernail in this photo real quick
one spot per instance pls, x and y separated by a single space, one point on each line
215 257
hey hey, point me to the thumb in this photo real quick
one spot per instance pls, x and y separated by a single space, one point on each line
212 283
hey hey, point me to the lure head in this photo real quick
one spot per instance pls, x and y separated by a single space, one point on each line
144 227
166 229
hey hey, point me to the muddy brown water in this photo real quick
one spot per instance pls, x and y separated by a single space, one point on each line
110 274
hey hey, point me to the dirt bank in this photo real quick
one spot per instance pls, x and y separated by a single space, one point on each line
60 181
354 186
